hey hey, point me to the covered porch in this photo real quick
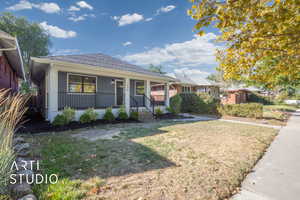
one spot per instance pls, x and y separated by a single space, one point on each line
60 86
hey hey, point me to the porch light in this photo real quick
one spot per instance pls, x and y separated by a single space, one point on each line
112 81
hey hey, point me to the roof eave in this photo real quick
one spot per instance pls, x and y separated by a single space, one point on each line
49 61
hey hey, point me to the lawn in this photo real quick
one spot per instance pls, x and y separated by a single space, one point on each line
201 160
282 108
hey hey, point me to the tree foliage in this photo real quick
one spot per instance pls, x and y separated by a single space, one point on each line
33 40
262 37
158 69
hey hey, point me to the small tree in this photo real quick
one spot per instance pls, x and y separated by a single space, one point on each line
158 69
33 40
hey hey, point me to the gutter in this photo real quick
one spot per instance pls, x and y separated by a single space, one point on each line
21 59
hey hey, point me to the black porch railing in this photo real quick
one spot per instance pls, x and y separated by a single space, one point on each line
102 100
96 100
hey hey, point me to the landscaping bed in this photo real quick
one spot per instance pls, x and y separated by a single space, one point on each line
40 126
199 160
172 116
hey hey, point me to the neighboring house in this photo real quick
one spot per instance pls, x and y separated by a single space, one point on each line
92 81
238 94
235 96
11 64
186 84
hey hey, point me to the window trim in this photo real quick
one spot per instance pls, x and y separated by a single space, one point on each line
135 94
81 93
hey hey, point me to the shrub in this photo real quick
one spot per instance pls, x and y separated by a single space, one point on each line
60 120
252 110
158 112
11 112
202 103
69 114
275 115
256 98
191 103
88 116
122 113
175 104
109 116
134 115
210 103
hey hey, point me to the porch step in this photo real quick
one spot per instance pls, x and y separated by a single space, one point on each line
146 116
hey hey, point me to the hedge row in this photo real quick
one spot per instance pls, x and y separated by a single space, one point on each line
193 103
251 110
257 98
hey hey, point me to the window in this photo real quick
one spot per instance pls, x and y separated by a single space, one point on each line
139 88
81 84
186 89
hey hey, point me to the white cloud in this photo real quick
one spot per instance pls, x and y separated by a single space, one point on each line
64 51
22 5
73 9
75 18
165 9
57 32
83 4
128 19
193 74
125 44
192 53
26 5
149 19
48 7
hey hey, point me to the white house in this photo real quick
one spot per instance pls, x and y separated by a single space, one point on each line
93 81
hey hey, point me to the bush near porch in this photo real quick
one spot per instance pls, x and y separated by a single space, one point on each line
198 103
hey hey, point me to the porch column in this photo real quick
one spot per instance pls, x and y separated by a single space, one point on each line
52 92
167 95
127 95
148 93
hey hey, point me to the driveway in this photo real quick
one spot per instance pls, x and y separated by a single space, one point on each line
277 175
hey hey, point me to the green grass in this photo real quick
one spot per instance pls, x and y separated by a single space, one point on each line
282 108
209 159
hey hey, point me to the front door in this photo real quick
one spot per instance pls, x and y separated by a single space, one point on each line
119 93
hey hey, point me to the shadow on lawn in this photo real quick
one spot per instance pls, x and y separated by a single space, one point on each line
80 159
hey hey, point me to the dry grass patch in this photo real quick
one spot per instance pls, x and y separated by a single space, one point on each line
202 160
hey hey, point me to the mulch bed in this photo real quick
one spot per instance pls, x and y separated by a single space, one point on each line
35 123
40 126
172 116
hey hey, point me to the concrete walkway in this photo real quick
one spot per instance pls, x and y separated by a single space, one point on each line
277 174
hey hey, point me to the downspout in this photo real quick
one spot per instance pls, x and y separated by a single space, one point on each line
21 59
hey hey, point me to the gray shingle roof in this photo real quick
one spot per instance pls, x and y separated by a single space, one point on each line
101 60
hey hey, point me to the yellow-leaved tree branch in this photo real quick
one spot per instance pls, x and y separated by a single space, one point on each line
262 38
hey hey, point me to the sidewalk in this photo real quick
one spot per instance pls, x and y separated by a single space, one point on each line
277 174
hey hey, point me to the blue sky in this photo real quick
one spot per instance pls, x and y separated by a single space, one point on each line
138 31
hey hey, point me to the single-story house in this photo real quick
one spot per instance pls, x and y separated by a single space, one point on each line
235 96
93 81
238 94
185 84
11 63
